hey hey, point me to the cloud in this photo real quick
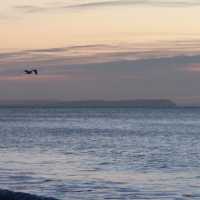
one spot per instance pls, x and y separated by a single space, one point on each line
15 54
105 72
75 47
126 70
80 60
30 8
167 3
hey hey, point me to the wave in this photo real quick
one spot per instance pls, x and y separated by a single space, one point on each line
10 195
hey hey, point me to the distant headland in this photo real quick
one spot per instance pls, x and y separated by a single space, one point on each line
137 103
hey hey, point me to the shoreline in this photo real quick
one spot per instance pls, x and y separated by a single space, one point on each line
11 195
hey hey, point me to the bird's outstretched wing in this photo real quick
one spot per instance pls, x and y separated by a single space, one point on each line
35 71
27 71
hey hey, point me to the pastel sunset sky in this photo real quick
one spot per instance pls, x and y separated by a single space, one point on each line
100 49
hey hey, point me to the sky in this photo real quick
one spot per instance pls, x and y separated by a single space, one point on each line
100 49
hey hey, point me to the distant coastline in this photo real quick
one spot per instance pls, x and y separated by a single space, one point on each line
137 103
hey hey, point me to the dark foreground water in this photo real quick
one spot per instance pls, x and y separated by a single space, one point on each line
86 154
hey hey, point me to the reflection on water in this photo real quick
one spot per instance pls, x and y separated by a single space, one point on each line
101 153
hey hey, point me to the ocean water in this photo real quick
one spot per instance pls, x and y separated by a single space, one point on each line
101 153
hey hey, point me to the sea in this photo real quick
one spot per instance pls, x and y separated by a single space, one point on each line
101 153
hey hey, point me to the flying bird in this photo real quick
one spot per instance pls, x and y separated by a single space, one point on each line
35 71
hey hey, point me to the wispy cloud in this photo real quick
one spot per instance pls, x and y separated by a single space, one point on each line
74 60
30 8
91 53
138 2
69 48
62 5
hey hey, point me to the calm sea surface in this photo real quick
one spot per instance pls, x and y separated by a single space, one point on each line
87 154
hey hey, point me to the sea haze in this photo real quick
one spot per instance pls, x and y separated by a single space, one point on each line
101 153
